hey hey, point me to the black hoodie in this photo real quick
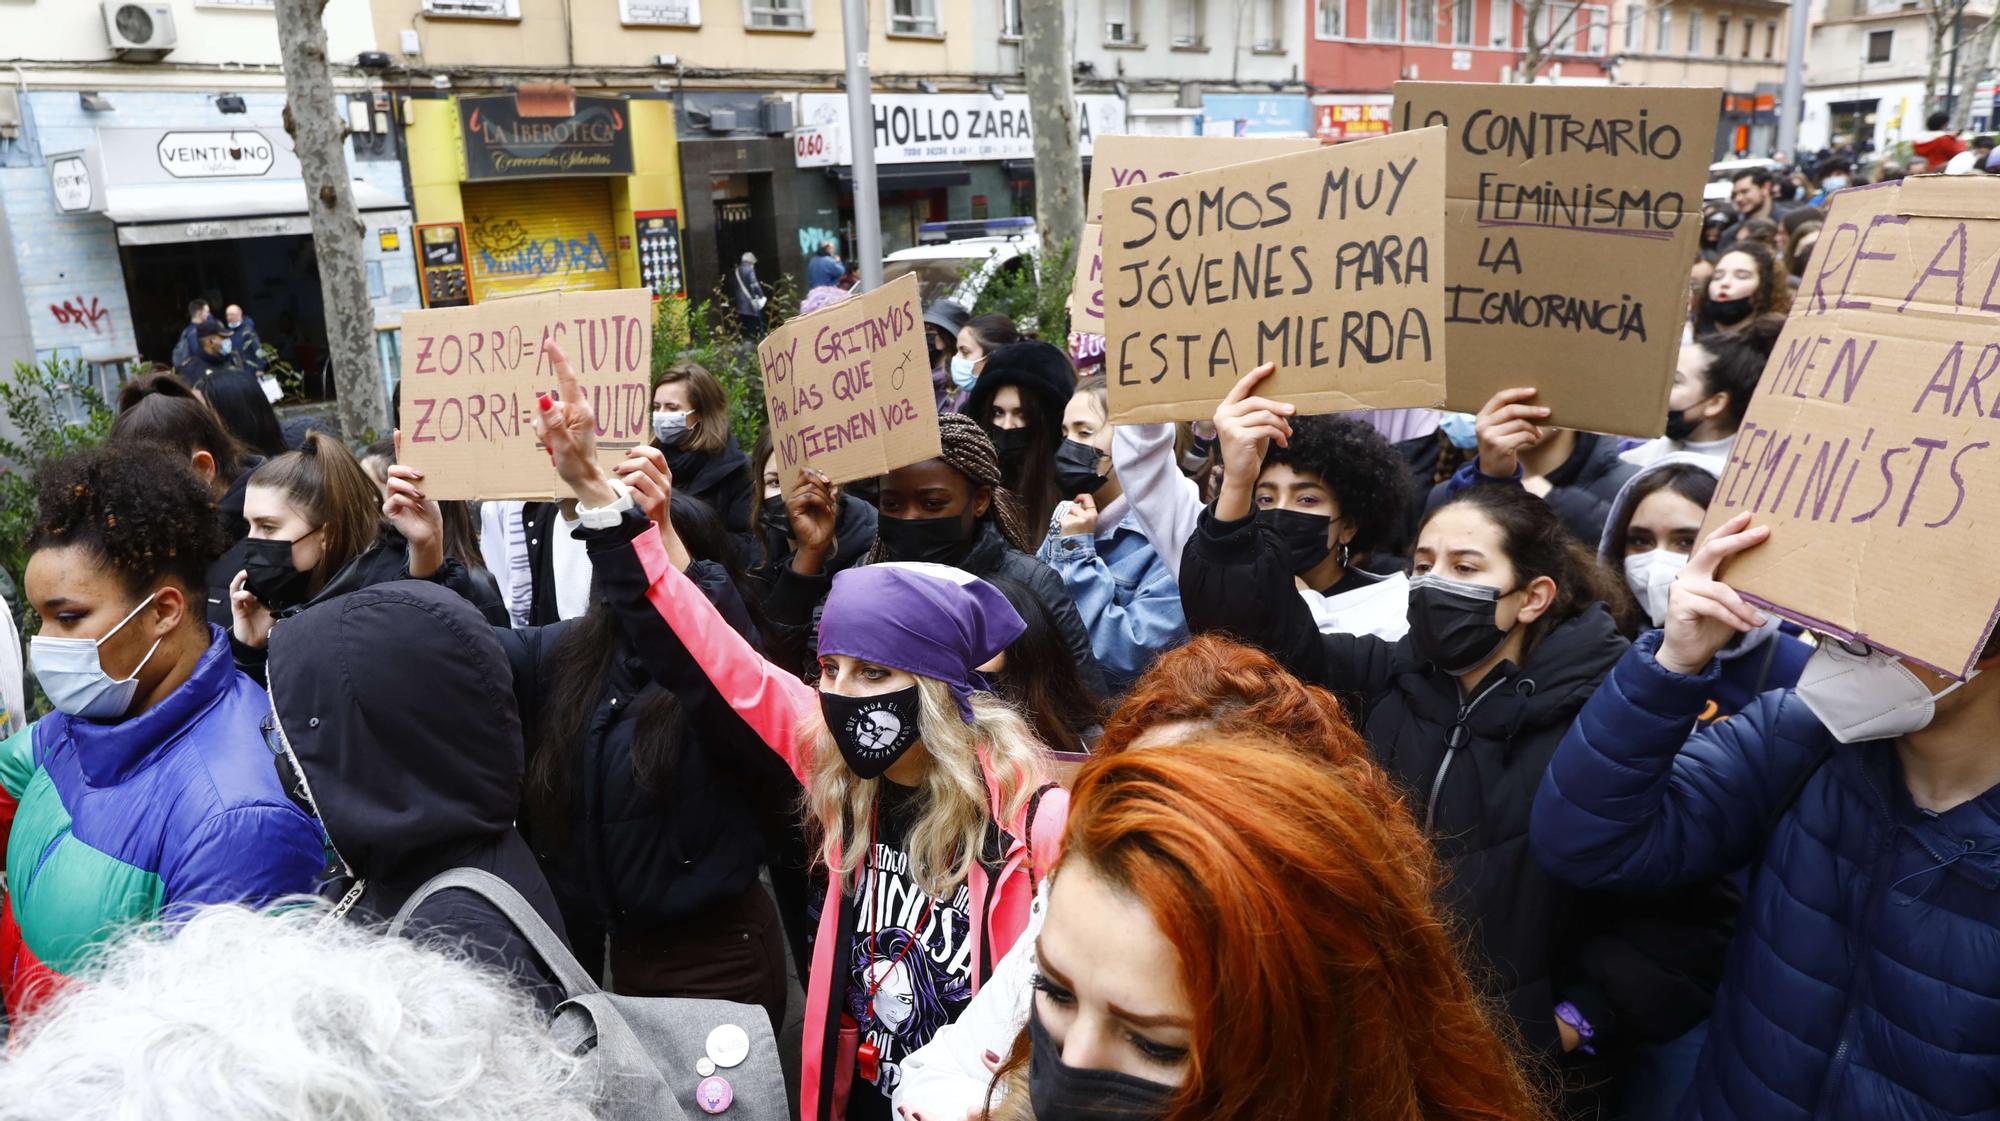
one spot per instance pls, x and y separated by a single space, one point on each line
397 703
720 478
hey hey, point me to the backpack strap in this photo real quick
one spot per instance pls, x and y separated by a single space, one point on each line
505 899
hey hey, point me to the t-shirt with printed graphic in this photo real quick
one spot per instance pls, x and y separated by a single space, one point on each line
910 967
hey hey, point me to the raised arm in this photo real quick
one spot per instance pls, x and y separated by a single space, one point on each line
1166 503
636 574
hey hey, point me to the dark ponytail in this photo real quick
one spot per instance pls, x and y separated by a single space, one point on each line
1537 545
333 490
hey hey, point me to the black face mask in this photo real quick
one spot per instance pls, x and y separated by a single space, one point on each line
1076 469
1729 313
774 517
267 563
1454 624
1679 427
938 540
1011 444
1304 535
872 732
1064 1093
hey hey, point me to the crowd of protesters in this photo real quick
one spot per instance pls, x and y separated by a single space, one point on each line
1394 765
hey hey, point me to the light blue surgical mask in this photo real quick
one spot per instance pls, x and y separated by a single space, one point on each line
963 375
71 673
1459 429
669 427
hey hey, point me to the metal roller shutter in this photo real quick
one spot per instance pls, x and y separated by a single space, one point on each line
538 235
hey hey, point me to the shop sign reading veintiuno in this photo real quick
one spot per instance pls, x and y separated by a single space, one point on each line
501 144
215 155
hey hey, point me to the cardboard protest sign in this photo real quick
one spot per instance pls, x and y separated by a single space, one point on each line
848 388
470 375
1872 446
1574 214
1328 263
1122 161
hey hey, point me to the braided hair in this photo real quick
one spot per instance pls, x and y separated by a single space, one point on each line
967 451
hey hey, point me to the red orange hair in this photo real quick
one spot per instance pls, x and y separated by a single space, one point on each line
1324 980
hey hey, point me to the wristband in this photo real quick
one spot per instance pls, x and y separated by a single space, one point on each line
606 516
1569 1014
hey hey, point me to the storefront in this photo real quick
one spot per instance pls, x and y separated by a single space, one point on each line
1256 114
939 157
558 190
118 227
1351 116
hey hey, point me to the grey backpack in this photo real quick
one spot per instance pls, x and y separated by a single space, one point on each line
647 1055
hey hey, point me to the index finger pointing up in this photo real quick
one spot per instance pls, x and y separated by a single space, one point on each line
1248 382
566 389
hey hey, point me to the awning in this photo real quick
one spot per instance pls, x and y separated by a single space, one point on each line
907 176
160 213
1023 171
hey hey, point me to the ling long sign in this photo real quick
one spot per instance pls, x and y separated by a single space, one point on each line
502 144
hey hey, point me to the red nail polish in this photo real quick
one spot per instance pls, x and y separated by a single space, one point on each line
542 399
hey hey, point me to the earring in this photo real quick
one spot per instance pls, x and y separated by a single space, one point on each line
1343 554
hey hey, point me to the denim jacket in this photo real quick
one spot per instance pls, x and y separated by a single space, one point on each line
1126 595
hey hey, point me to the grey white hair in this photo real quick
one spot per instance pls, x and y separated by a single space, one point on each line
239 1015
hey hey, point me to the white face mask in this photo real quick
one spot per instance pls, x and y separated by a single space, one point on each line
1650 575
71 673
1866 696
963 374
668 426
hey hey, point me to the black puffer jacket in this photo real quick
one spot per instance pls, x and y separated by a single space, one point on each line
1531 931
722 479
1581 489
795 600
635 854
394 703
229 511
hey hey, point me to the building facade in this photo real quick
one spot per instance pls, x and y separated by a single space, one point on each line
1356 50
1736 45
144 164
1865 73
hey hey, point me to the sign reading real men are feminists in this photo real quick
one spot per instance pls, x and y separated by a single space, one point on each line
848 388
1328 263
1572 213
470 375
1872 446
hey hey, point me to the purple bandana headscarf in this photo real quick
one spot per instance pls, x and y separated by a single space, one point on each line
928 619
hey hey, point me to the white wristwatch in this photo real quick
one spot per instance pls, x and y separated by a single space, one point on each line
604 517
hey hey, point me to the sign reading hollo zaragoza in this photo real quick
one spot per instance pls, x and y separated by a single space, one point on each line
502 144
1327 263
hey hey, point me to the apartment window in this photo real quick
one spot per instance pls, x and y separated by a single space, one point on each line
1332 19
1749 36
1462 19
1663 32
1423 21
779 15
1267 25
1184 23
1383 22
475 9
1880 44
1502 23
1559 25
1599 30
913 17
1010 19
1120 22
1634 29
1771 39
1694 32
1722 37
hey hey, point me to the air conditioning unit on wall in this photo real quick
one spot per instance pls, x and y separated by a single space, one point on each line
139 31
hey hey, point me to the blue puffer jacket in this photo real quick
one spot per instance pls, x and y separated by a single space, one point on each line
1864 981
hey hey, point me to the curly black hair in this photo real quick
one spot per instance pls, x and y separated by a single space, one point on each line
1360 466
139 507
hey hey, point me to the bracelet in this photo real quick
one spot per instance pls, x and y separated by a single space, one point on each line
606 516
1569 1014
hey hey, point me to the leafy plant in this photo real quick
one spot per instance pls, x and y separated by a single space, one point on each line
1035 295
55 410
289 378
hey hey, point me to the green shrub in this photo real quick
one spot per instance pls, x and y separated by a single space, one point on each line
706 332
56 410
1036 295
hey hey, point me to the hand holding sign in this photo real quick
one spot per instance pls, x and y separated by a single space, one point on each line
565 426
1245 425
645 474
1506 427
812 512
1703 613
